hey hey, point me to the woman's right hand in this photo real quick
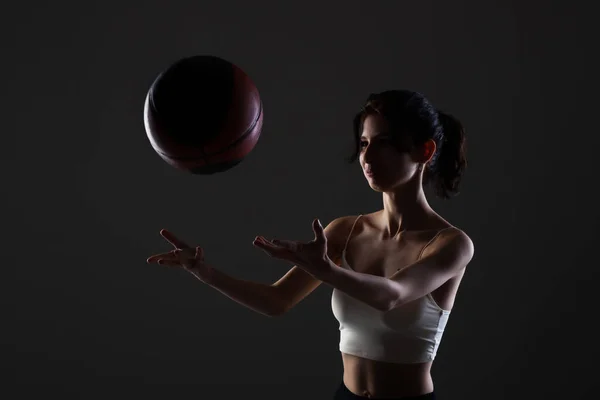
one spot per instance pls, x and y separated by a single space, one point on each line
191 259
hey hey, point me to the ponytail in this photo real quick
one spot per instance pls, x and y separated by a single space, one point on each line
451 162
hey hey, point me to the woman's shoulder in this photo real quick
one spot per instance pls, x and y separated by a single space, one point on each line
339 228
340 225
455 240
336 233
450 240
449 230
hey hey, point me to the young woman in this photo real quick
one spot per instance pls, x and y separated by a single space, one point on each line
395 272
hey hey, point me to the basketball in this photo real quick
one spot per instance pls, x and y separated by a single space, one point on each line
203 115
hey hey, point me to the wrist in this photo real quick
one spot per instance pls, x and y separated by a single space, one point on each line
204 273
326 270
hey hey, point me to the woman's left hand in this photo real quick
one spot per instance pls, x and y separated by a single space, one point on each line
310 256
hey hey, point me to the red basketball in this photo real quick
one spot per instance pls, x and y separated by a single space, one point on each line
203 115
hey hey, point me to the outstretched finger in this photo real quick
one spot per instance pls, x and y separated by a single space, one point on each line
171 238
272 249
287 244
156 257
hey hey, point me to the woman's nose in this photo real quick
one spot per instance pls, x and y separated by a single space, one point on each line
368 155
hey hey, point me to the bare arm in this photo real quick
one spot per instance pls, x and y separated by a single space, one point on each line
279 297
259 297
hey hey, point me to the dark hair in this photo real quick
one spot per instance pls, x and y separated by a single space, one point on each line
410 114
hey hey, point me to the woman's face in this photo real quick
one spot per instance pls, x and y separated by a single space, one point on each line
383 164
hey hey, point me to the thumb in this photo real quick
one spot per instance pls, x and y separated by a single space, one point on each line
199 253
319 230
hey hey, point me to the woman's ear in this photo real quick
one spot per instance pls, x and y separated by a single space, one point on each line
425 152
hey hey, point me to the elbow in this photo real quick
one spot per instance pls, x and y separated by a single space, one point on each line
383 305
391 303
388 306
276 312
278 307
392 297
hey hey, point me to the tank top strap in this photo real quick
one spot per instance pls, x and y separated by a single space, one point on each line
350 233
432 240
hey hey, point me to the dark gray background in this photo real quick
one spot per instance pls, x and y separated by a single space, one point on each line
84 194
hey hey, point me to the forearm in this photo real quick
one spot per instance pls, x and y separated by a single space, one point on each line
376 291
258 297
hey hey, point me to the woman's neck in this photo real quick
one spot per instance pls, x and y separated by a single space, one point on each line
404 210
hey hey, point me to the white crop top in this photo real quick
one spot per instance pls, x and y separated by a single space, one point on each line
407 334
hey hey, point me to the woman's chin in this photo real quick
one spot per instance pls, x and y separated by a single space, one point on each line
376 185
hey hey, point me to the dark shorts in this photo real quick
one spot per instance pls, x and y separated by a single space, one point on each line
343 393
